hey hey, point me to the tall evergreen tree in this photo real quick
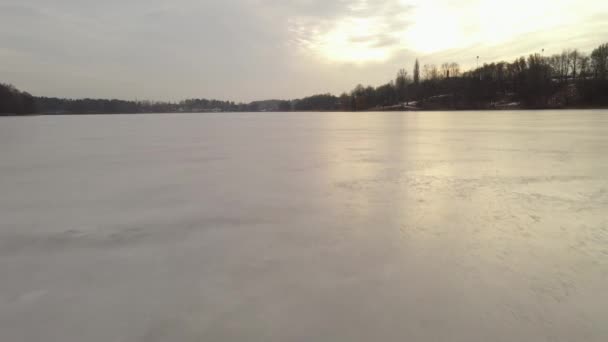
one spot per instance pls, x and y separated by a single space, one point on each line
416 72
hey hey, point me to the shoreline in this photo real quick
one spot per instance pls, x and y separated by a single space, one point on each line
324 111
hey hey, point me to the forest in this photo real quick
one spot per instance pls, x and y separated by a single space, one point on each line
14 101
571 79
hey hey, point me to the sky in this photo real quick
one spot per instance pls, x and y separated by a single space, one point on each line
244 50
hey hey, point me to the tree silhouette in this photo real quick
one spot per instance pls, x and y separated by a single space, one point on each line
13 101
401 83
599 61
416 72
570 78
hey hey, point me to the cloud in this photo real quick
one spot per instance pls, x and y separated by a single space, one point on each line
255 49
363 31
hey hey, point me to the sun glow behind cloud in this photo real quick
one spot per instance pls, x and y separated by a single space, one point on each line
441 25
432 26
352 40
122 49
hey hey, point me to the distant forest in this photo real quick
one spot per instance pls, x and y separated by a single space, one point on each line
571 79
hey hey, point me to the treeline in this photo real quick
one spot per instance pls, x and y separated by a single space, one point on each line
13 101
48 105
569 79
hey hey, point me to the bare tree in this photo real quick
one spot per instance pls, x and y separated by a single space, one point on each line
445 70
430 72
401 84
584 63
574 60
599 62
454 70
555 66
565 65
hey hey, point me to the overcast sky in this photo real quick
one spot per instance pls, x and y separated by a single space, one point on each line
258 49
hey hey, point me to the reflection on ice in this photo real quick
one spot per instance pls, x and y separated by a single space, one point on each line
466 226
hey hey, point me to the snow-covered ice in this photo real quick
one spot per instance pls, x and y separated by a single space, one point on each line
462 226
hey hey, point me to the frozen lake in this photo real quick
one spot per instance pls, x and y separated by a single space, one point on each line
462 226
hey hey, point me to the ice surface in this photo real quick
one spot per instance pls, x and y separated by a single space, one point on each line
462 226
